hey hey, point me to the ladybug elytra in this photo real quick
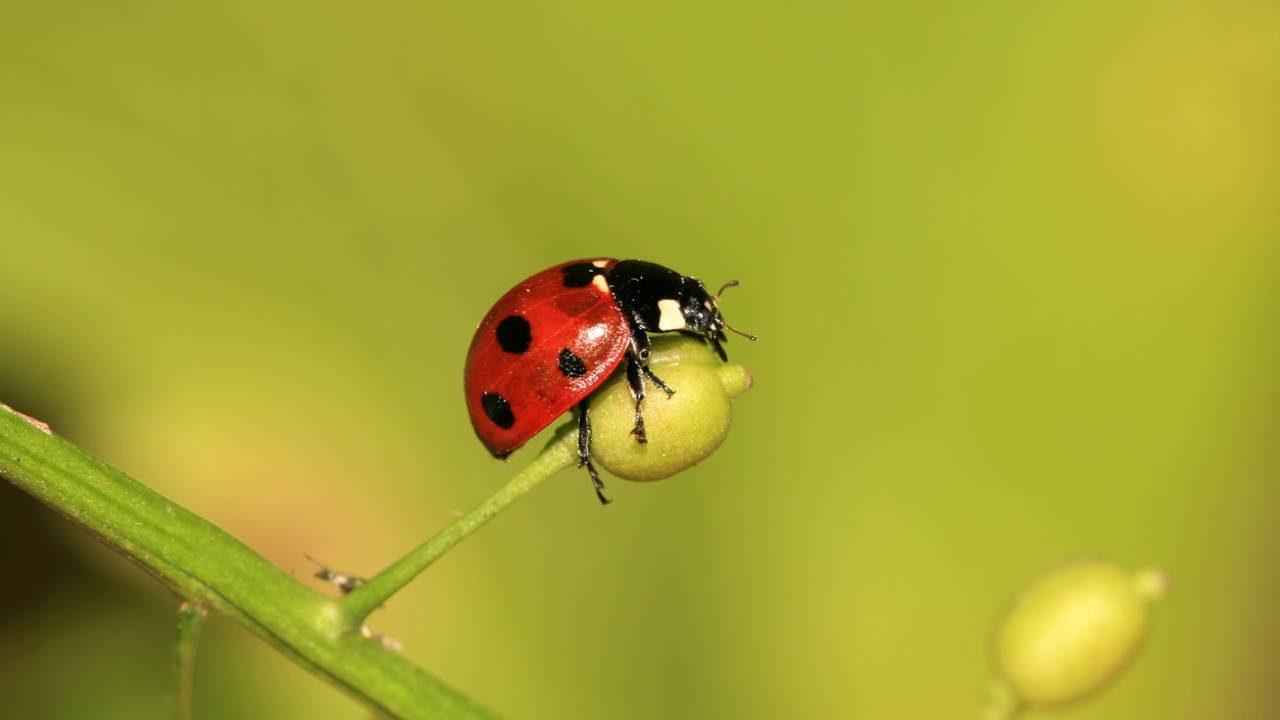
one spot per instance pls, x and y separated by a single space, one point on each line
558 335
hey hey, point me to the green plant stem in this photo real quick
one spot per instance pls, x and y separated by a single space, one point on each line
559 454
202 563
185 643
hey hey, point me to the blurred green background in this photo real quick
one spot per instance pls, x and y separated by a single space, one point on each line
1013 265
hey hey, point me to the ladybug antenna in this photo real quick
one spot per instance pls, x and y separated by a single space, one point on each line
726 286
716 299
727 326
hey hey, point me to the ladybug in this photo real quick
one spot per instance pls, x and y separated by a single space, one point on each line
558 335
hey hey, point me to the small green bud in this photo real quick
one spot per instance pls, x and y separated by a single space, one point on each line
1073 630
682 429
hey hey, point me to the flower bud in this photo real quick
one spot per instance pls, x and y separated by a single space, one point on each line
682 429
1073 630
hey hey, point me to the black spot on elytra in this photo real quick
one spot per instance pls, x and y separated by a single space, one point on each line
514 334
498 410
579 274
571 365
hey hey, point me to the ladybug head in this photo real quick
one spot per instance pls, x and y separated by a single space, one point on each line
702 312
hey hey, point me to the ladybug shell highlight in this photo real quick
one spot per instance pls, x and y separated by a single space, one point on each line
542 348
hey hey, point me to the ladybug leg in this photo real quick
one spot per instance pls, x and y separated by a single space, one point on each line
715 337
637 370
584 451
718 337
657 381
636 380
640 353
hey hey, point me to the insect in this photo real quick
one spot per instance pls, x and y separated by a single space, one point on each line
558 335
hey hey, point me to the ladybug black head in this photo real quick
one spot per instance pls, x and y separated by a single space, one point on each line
697 306
702 313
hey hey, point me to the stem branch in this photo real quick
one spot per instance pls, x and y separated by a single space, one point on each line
185 643
559 454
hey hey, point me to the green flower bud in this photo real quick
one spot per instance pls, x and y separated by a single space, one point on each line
682 429
1073 630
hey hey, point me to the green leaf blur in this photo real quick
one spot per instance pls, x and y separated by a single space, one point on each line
1013 267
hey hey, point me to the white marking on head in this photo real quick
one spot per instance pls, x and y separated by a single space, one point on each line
599 263
707 304
601 284
669 315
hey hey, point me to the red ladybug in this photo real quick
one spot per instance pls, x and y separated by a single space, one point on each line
558 335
